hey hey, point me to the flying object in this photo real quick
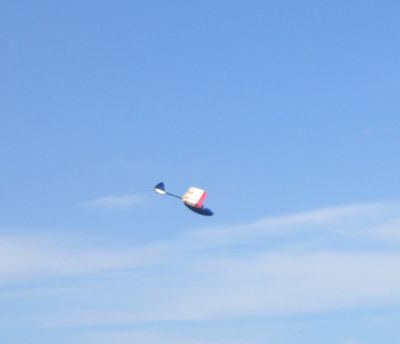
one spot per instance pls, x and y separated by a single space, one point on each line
193 198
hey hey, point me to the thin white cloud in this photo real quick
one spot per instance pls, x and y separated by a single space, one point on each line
27 258
362 220
310 262
147 337
20 256
116 202
351 341
264 284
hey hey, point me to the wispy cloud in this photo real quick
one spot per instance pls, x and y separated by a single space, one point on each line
27 258
148 337
116 201
328 259
362 221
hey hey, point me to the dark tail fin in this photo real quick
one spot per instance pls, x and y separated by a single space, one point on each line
160 188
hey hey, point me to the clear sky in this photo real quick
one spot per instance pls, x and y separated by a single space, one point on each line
286 112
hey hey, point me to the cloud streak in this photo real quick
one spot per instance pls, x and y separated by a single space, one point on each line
328 259
147 337
116 202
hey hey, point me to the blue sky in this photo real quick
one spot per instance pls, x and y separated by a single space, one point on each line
286 112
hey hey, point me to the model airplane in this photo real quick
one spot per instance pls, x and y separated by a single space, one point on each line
193 198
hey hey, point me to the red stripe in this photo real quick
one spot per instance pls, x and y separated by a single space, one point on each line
201 200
